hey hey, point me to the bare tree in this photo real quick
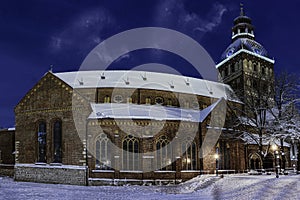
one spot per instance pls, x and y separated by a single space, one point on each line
270 109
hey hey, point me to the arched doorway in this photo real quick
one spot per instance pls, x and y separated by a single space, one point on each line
255 162
269 161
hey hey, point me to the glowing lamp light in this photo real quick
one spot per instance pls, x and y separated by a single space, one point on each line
216 156
274 147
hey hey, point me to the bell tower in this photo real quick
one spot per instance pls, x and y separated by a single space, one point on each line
245 65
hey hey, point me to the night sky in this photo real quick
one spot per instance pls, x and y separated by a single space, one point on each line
37 34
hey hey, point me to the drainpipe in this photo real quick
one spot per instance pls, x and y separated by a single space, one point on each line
86 155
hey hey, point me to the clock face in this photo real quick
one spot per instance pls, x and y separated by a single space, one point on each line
257 50
230 52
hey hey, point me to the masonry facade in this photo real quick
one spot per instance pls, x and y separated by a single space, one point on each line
63 124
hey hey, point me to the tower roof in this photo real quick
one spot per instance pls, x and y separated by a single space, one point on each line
243 38
243 27
247 44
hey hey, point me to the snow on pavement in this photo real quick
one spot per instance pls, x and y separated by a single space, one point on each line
202 187
257 187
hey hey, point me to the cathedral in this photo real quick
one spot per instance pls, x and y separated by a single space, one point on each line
103 128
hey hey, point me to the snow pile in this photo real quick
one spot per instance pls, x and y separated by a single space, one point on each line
197 183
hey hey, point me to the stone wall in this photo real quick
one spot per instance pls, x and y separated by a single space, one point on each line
65 174
6 170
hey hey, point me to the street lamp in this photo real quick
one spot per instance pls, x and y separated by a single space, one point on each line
283 161
217 162
274 148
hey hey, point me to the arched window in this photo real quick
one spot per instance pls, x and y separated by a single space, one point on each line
57 137
263 71
163 154
148 100
189 156
42 142
106 99
186 104
103 150
129 99
130 153
169 102
254 67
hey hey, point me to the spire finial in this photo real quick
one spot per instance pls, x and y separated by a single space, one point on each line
242 9
51 68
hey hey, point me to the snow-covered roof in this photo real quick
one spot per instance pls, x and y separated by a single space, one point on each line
152 112
245 51
147 80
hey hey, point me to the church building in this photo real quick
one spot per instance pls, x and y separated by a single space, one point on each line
118 127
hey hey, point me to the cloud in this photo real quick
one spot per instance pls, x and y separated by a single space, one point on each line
84 32
173 14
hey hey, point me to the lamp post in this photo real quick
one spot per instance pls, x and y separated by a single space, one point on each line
217 162
274 147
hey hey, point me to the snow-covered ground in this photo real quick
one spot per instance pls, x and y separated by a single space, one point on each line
204 187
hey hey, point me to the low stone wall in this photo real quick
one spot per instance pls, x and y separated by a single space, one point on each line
6 170
64 174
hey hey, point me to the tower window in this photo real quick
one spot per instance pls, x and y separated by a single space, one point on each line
232 68
254 67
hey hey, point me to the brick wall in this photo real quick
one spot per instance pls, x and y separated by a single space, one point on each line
7 146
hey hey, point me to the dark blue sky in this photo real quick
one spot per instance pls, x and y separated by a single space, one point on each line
37 34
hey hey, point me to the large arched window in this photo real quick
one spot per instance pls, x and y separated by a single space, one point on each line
130 153
163 154
57 140
189 156
42 142
103 152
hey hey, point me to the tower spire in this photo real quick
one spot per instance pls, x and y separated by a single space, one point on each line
242 9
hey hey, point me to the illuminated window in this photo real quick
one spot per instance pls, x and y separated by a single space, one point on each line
169 102
106 99
129 99
148 100
189 158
